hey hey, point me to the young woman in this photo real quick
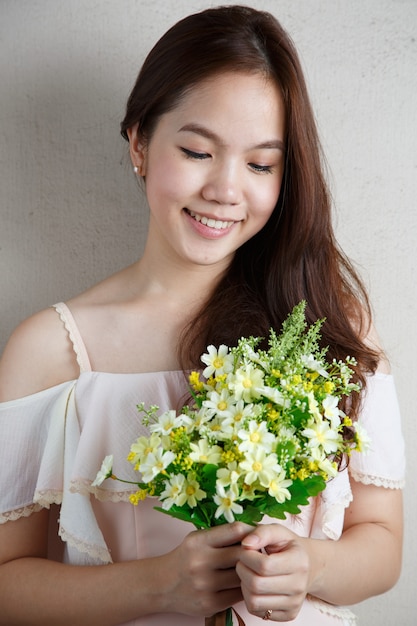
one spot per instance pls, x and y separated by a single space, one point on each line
222 136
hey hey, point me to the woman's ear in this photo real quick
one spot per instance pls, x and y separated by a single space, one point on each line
137 147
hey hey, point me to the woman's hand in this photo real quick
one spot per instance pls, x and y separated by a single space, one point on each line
274 569
200 574
278 569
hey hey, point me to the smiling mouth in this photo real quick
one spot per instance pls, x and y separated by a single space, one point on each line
209 221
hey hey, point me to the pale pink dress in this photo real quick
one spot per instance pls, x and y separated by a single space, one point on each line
52 444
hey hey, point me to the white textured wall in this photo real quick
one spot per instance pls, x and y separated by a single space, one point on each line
70 212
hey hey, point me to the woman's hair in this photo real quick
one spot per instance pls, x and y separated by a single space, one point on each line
295 256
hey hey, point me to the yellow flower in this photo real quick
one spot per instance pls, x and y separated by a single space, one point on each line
221 380
195 381
183 462
303 473
135 498
233 454
328 386
273 414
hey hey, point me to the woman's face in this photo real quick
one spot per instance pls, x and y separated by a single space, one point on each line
213 168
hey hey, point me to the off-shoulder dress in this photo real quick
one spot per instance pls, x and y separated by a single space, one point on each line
52 444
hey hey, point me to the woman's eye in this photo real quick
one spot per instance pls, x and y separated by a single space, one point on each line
261 169
191 154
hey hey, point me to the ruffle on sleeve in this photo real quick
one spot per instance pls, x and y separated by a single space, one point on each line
384 464
330 508
40 435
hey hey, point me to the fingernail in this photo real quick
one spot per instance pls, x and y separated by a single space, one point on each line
250 540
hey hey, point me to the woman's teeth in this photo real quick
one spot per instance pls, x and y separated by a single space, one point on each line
210 222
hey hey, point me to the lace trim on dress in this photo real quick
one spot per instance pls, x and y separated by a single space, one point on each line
24 511
47 497
341 612
94 551
70 326
84 488
367 479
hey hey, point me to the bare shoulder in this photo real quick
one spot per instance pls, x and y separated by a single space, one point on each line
37 356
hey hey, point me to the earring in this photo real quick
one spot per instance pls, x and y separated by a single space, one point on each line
136 169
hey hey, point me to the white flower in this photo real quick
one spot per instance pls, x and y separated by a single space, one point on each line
331 410
363 441
313 406
192 491
197 421
218 361
323 436
345 372
278 487
174 492
314 365
226 501
217 430
250 354
260 466
144 446
104 472
228 475
255 435
203 452
324 463
238 414
245 383
219 404
155 463
272 394
166 423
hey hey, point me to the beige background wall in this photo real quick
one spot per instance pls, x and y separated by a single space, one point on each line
70 211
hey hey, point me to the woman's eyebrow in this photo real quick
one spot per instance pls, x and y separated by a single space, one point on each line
198 129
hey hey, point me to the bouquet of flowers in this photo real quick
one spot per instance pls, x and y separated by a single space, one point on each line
263 433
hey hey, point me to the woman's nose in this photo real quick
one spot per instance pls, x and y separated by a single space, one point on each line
223 185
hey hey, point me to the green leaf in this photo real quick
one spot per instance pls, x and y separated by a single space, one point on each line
208 478
251 515
314 485
185 514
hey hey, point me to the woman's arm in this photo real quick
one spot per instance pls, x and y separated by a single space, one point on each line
196 578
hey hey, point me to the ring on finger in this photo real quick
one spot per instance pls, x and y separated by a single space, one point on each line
267 614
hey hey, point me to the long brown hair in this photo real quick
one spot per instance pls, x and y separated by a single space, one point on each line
295 256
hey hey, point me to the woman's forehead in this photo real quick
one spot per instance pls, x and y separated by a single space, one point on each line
216 107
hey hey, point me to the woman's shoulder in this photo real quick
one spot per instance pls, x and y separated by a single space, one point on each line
38 355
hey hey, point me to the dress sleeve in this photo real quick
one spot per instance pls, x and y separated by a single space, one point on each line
31 445
384 464
39 439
